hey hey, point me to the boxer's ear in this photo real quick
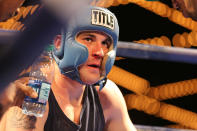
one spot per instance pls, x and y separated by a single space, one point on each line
57 42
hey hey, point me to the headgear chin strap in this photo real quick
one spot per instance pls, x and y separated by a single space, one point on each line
72 54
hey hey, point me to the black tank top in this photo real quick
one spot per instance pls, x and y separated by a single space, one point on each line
91 116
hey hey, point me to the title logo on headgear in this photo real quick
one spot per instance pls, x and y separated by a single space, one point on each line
102 18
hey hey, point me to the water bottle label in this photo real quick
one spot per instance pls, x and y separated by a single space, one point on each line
44 92
42 88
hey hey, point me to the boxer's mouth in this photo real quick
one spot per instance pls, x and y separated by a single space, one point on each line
94 65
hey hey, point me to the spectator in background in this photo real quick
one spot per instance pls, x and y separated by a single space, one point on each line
187 7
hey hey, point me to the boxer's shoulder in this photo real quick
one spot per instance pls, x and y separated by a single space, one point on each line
111 97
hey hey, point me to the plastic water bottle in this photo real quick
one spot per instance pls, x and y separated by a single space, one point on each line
41 76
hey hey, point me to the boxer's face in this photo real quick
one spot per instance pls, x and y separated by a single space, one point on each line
187 7
98 45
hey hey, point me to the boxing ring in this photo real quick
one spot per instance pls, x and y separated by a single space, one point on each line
156 49
145 51
152 128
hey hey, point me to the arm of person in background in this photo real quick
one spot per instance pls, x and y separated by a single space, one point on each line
115 109
8 7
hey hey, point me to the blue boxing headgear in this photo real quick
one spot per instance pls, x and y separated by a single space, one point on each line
72 54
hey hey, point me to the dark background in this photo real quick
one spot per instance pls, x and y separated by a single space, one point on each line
137 23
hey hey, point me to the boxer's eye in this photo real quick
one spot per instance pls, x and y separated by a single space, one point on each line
88 39
106 43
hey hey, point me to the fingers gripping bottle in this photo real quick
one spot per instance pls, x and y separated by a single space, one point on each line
41 76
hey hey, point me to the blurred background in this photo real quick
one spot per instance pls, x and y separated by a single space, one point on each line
158 92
